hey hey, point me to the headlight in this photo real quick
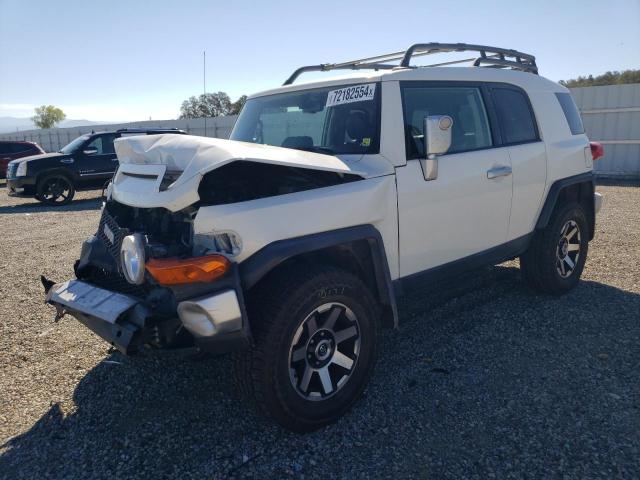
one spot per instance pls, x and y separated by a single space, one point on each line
22 169
132 258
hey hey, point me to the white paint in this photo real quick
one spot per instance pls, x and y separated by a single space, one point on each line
423 224
460 213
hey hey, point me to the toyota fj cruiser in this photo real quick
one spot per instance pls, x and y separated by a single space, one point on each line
84 164
289 243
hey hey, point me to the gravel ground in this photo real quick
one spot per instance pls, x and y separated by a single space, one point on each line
483 379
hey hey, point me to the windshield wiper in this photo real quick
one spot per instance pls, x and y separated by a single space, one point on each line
316 149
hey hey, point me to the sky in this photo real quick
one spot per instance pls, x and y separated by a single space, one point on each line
120 60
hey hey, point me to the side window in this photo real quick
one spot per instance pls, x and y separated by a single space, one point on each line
20 147
103 143
95 143
4 149
463 104
571 113
515 116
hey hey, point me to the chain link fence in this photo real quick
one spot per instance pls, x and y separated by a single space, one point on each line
53 139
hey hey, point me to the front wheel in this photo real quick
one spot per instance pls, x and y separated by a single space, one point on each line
55 190
556 257
315 335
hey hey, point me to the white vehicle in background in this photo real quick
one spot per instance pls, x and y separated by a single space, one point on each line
289 242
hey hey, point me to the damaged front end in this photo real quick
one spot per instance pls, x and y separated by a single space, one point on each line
152 274
172 305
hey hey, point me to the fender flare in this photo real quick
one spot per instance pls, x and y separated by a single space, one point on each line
554 193
254 268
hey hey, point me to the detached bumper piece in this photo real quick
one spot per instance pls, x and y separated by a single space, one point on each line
117 318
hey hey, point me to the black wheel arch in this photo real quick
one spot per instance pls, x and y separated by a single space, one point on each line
64 172
359 249
578 188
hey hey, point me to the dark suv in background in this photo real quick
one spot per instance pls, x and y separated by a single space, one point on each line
84 164
10 150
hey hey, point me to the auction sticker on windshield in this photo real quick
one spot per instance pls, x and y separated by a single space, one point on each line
355 93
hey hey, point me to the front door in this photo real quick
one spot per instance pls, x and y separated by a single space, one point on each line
100 164
466 209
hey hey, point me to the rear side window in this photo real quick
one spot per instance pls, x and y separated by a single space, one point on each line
464 104
571 113
21 147
515 116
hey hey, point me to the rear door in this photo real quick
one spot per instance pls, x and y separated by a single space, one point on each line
98 165
528 155
465 210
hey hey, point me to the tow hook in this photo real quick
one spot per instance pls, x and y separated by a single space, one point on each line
60 311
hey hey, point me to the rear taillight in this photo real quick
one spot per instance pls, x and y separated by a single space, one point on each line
597 150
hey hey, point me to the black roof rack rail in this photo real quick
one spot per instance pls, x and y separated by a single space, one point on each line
489 56
144 130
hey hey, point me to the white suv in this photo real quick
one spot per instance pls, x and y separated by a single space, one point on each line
290 242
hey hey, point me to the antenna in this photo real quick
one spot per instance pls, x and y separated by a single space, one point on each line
204 85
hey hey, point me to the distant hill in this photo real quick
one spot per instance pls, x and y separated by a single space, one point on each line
11 124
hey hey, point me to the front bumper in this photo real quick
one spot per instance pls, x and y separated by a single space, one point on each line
117 318
21 186
216 322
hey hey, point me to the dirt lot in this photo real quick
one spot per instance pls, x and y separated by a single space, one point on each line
483 379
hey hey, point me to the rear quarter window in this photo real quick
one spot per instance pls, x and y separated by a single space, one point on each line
571 113
514 115
20 148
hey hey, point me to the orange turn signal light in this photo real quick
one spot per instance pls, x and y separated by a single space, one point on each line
176 271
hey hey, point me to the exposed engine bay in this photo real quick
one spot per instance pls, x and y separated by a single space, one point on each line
241 181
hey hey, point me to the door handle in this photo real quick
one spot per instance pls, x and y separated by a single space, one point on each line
7 158
496 172
67 160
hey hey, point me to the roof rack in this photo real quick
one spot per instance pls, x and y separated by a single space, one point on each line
489 56
144 130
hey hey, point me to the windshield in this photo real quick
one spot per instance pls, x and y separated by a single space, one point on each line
342 119
73 146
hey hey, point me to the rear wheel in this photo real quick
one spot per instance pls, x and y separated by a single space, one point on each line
315 346
556 257
55 190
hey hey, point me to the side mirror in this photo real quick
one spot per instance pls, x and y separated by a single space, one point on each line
437 140
90 151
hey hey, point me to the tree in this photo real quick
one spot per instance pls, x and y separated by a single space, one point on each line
206 105
47 116
211 105
237 105
608 78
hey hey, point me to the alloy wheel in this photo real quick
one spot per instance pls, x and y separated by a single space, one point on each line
324 351
56 190
568 249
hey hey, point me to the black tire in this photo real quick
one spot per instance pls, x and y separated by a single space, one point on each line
556 256
271 376
55 190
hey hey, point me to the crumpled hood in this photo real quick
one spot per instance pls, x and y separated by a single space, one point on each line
192 155
145 159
